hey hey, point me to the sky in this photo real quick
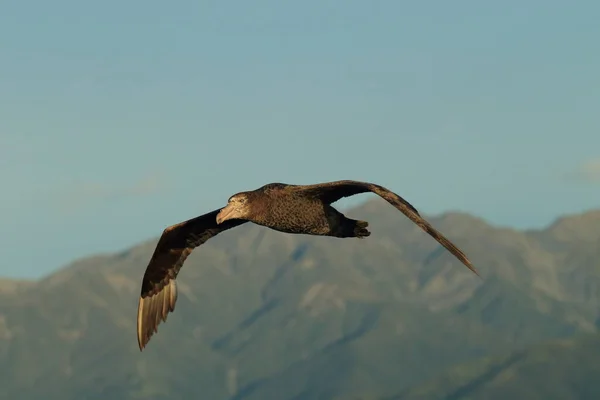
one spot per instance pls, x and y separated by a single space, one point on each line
118 119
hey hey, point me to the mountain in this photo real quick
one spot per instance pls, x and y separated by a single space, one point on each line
265 315
557 370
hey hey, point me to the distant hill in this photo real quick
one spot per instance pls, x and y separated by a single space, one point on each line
557 370
264 315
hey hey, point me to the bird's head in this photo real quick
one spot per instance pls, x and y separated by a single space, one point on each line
238 207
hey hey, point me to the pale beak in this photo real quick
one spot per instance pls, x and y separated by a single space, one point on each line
226 213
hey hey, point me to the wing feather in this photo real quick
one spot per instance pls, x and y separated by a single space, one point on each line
331 192
159 289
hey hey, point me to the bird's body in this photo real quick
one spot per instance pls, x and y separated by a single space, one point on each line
295 209
289 211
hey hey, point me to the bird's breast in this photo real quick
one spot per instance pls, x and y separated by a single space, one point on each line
296 216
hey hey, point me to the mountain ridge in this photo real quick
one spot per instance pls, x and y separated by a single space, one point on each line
371 205
264 315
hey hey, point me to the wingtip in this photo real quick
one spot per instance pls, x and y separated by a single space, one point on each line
139 323
141 343
475 271
152 310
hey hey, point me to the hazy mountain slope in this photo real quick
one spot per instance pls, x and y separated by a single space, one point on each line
266 315
558 370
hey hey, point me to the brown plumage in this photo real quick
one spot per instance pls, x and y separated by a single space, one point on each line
300 209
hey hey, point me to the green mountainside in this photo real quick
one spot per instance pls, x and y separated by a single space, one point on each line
557 370
263 315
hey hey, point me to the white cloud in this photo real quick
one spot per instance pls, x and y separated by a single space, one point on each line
588 171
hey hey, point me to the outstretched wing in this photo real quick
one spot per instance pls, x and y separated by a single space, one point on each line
331 192
159 290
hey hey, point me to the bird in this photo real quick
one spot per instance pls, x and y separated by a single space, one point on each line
293 209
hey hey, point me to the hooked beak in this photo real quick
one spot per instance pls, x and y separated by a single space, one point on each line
226 213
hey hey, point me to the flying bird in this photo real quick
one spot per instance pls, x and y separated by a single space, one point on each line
296 209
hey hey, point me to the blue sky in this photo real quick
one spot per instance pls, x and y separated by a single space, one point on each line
120 118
